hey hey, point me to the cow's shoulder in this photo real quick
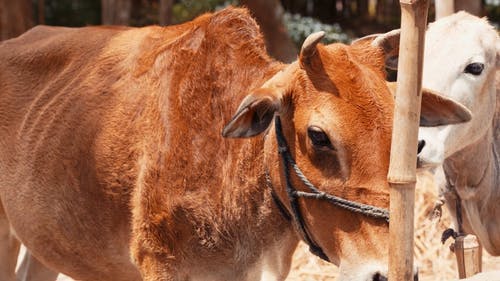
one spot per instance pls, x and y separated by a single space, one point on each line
231 30
237 25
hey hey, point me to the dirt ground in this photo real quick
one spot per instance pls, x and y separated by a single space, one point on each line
435 261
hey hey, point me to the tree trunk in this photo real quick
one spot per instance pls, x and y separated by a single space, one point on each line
444 8
269 15
474 7
165 12
116 12
447 7
380 11
41 11
387 11
15 18
362 9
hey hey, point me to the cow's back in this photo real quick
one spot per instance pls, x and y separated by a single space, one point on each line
47 76
57 91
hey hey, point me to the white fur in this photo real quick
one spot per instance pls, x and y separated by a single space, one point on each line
467 152
450 45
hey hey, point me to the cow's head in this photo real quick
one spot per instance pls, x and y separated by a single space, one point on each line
462 54
336 114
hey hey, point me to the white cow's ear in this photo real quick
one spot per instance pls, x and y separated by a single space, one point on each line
437 110
254 114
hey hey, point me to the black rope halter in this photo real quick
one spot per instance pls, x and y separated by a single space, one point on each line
450 232
315 193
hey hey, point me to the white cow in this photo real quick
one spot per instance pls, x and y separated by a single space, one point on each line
462 55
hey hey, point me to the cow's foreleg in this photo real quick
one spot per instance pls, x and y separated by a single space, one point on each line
153 269
9 249
151 259
33 270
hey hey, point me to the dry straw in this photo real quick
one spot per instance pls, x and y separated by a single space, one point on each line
435 261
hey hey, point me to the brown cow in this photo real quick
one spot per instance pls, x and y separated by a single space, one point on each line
113 167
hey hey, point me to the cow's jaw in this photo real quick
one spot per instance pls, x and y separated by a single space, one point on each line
443 141
371 270
432 154
365 273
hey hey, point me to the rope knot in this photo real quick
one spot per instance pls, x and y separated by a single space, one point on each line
282 149
437 210
450 232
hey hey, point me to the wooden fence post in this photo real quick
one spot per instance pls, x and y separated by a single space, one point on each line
403 160
468 252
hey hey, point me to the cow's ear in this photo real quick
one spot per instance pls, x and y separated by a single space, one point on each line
254 114
437 110
388 42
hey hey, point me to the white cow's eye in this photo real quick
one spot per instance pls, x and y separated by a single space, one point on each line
474 68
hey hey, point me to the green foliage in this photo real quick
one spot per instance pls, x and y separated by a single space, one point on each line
88 12
182 10
71 13
299 27
492 8
145 14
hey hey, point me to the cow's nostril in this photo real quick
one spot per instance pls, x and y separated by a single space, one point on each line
421 144
379 277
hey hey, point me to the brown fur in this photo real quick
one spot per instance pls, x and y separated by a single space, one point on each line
112 163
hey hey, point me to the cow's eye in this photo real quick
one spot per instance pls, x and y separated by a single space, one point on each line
475 68
318 137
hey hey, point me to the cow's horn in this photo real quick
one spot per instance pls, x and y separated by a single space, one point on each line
309 46
389 42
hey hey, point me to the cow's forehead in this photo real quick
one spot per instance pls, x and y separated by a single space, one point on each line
348 68
460 37
351 88
358 75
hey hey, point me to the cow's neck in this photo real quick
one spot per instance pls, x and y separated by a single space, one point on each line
212 191
474 173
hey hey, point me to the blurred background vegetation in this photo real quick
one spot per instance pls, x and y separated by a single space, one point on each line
285 23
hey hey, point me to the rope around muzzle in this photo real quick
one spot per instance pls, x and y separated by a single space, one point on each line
294 195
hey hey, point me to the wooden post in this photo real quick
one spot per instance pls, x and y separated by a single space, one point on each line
403 160
468 253
444 8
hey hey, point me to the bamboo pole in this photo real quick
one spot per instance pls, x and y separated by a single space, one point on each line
403 159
